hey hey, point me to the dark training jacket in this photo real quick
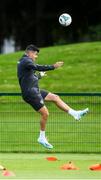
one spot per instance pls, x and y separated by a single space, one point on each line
26 72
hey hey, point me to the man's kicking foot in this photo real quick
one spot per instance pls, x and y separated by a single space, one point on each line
78 114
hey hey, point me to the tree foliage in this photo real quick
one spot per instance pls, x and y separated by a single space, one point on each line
36 21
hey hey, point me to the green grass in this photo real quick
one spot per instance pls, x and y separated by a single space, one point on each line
81 71
19 126
35 166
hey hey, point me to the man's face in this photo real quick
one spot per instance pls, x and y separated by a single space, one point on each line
33 55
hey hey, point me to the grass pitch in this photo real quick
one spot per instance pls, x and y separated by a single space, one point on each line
19 124
81 71
35 166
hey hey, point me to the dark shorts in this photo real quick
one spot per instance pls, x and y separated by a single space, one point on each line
36 99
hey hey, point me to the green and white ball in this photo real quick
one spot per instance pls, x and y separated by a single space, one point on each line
65 19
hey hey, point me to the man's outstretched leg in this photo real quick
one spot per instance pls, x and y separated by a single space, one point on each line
42 139
63 106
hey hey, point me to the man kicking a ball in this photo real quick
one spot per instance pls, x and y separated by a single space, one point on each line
31 93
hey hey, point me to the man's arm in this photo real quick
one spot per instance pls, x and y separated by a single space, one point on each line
49 67
44 67
37 67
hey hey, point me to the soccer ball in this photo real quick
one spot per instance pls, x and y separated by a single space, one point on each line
65 19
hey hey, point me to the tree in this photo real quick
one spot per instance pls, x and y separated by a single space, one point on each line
36 21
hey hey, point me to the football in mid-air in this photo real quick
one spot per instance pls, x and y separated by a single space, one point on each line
65 19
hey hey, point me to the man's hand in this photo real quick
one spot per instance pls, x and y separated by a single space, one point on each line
42 74
58 64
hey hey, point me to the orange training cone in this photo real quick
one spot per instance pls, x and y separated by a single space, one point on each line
52 158
8 173
69 166
95 167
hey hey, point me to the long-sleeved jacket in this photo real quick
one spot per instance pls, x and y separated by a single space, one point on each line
27 77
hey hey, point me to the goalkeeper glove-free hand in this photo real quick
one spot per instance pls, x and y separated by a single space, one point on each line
41 74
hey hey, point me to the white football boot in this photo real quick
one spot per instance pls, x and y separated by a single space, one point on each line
44 142
80 113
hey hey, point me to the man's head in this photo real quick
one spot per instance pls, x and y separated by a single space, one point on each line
32 51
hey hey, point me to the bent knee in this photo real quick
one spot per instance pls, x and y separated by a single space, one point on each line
44 112
45 115
55 97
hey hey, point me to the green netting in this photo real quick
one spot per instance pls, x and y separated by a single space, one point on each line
20 124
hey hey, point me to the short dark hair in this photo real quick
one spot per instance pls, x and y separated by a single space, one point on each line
32 47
